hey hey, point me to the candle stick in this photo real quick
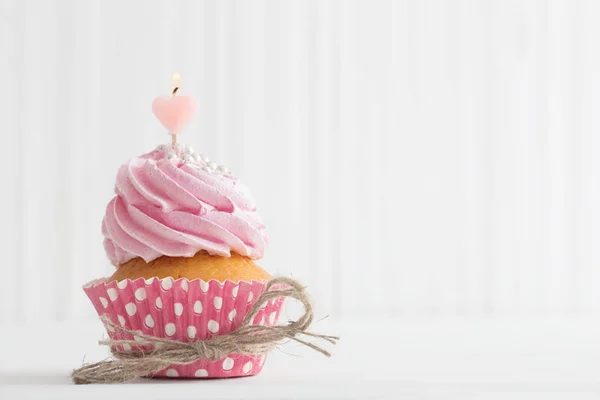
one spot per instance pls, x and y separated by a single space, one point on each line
174 112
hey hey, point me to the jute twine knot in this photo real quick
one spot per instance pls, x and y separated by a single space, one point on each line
247 339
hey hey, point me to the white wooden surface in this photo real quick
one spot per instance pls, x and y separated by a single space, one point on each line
448 148
448 358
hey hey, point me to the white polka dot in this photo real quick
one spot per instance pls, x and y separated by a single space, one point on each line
158 302
247 367
198 307
149 281
213 326
231 315
121 320
218 302
250 297
130 308
272 317
191 332
112 294
109 328
167 283
204 286
138 338
234 292
170 329
172 373
178 308
140 294
227 364
201 373
127 347
104 302
184 285
122 284
149 321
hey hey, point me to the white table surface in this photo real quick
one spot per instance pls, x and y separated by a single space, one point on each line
435 358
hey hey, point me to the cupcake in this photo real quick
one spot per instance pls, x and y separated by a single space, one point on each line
184 236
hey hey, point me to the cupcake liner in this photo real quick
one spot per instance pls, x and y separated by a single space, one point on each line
184 310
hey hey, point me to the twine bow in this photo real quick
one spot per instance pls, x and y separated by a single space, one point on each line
247 339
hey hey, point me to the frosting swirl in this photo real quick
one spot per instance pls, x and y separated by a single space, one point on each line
173 202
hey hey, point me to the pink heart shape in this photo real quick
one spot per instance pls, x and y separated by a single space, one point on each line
174 112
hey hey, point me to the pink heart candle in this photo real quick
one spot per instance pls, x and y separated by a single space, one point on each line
174 112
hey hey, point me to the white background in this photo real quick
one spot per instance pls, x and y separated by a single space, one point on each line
428 168
409 157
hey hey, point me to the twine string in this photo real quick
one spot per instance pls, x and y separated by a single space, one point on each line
247 339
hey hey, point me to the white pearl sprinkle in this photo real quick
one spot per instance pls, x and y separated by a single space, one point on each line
186 154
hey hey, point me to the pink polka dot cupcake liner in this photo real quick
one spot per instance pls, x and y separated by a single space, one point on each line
185 310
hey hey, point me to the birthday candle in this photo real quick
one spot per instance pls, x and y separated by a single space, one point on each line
174 112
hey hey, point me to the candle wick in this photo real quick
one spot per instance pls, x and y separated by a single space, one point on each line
175 91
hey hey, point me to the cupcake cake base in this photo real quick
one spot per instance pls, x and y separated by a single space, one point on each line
184 310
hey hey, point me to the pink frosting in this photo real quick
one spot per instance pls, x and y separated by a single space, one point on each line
175 204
